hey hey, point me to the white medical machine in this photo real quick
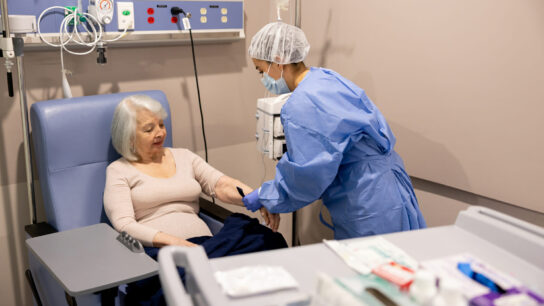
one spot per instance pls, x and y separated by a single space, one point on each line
270 136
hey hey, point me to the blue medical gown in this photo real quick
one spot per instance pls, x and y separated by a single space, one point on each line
340 149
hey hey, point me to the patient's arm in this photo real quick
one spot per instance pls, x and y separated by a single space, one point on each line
162 239
223 187
225 190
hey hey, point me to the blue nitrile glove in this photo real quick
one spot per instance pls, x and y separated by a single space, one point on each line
251 201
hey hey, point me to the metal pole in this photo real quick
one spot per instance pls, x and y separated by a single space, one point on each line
298 11
26 142
294 236
18 48
5 20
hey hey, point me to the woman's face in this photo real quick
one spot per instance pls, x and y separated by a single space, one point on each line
273 70
149 136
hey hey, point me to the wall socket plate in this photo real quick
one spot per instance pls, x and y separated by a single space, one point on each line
125 16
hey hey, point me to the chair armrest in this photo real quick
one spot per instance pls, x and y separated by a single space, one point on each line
39 229
214 211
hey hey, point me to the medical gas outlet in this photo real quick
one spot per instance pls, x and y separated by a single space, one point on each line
125 16
270 136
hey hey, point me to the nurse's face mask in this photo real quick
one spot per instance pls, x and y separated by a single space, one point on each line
276 87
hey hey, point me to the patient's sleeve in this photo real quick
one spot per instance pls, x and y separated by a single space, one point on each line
206 175
119 208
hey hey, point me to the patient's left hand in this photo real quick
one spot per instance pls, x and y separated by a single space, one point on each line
271 220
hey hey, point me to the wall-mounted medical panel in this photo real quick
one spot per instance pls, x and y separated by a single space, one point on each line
148 22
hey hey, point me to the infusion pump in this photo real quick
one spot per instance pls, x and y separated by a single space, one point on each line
270 136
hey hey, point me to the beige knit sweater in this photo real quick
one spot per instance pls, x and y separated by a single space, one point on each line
142 205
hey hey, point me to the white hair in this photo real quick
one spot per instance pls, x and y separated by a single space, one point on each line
123 126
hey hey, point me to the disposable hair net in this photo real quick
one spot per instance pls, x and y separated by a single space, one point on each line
280 43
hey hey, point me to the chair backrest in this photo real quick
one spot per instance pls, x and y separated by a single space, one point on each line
72 148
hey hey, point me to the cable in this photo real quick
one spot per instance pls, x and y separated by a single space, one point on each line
63 30
198 93
75 17
120 36
199 101
176 11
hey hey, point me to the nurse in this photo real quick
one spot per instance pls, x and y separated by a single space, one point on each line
339 146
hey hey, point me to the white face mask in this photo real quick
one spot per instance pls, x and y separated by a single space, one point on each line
276 87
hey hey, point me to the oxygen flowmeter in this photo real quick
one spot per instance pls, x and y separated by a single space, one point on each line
102 10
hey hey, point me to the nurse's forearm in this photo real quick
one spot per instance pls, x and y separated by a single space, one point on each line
225 190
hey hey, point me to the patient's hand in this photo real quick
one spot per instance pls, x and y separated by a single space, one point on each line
162 239
186 243
271 220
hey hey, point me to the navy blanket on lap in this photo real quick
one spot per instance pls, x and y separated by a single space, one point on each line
239 235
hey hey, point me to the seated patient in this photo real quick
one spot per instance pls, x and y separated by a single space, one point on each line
152 192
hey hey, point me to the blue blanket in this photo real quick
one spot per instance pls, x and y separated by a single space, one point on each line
239 235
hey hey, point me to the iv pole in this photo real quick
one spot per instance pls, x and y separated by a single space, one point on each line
294 236
12 47
298 11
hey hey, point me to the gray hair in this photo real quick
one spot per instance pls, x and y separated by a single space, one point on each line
123 126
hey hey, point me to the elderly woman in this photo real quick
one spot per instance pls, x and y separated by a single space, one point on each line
152 192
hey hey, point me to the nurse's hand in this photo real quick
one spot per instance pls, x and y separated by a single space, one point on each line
251 201
271 220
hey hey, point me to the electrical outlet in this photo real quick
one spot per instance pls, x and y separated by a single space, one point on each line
125 15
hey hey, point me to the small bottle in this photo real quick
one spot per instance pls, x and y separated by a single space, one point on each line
450 294
423 288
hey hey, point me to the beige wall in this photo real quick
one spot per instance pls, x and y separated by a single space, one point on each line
383 46
460 83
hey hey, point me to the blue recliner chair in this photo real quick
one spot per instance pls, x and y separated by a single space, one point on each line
72 148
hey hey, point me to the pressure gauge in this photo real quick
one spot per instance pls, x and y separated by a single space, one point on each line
102 10
105 4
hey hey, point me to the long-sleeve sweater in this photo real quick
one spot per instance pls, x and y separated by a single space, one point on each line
142 205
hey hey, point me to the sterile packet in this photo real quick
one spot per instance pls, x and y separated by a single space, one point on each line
367 254
252 280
